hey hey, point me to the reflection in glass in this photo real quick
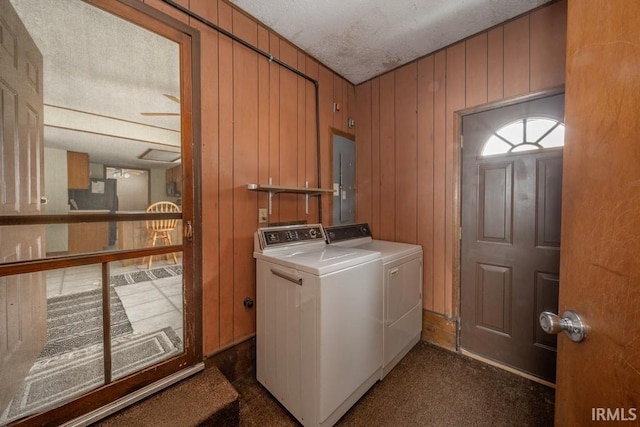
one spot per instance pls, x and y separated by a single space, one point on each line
110 92
71 361
152 301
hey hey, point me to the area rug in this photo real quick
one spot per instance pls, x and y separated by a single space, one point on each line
75 321
53 381
146 275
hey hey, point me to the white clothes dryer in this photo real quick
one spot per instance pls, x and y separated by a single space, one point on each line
402 288
319 321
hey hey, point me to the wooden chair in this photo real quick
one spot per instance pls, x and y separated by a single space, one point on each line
161 228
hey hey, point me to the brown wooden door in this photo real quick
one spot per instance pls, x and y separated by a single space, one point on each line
23 323
599 378
511 233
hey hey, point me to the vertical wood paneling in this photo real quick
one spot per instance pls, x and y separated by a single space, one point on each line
516 57
476 70
487 67
375 158
311 138
225 171
351 105
387 157
274 119
495 64
425 174
439 160
245 170
259 121
363 153
274 124
455 102
548 49
338 116
263 116
209 191
207 9
406 167
302 134
325 79
288 133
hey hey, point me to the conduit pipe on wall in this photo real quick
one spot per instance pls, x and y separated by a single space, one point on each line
271 58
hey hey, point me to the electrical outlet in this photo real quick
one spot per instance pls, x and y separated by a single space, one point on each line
262 215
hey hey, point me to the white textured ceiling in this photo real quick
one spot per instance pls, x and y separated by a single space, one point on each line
100 73
360 39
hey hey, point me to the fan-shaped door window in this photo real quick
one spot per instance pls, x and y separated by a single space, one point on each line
528 134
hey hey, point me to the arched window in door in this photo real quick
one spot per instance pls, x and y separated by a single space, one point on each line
528 134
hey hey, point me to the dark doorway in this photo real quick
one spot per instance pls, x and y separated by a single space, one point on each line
510 249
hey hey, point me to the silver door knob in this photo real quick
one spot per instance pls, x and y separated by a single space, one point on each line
570 323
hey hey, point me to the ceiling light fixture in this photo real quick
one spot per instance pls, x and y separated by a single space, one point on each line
160 155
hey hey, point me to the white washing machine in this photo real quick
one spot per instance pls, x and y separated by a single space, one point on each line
402 288
319 321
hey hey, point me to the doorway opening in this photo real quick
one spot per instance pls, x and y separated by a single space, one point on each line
511 195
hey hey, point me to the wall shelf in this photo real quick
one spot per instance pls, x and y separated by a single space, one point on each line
275 189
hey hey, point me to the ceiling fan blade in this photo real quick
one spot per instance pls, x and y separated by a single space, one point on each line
160 114
173 98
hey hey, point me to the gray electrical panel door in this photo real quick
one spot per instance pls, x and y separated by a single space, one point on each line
344 176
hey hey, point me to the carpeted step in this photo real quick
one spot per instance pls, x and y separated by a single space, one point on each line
205 399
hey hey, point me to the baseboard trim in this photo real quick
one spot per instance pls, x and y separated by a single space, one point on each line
439 330
507 368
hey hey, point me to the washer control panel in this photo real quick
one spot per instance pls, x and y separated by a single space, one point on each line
286 235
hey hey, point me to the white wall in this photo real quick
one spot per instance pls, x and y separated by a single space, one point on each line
56 192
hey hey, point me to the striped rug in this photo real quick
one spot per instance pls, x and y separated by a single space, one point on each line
75 321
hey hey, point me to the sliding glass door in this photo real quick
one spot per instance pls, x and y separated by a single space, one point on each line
96 204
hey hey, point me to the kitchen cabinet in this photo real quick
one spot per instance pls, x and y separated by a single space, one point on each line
173 179
77 170
88 236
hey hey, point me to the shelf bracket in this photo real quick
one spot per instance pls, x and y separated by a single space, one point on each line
275 189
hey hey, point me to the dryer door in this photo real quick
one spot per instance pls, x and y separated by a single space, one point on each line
402 306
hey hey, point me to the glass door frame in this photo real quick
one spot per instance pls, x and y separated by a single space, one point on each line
188 39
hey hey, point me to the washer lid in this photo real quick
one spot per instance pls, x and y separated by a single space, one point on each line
322 261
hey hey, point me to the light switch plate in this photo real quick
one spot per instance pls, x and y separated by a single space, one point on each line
262 215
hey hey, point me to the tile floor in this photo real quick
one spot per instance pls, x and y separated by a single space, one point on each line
150 305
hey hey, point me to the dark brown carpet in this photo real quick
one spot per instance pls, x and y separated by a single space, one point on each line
429 387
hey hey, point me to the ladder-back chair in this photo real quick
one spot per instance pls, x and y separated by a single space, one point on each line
161 228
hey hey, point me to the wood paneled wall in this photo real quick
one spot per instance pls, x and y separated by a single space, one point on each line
258 122
406 131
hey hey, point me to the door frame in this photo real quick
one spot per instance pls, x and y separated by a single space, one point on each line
456 200
333 131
